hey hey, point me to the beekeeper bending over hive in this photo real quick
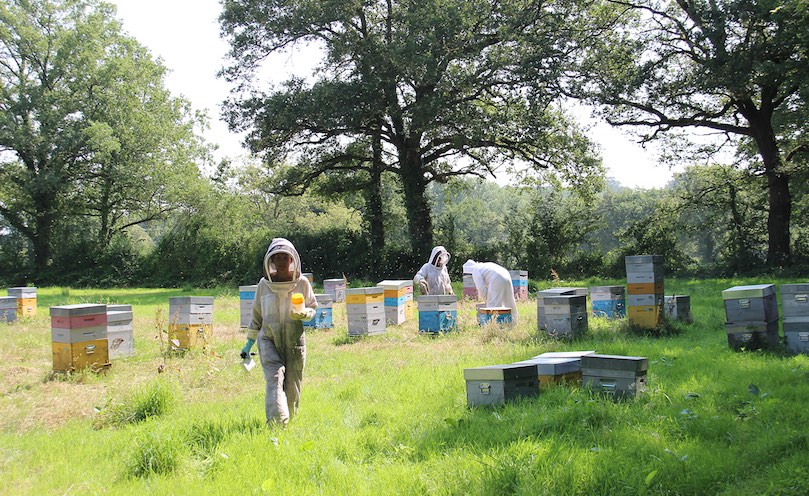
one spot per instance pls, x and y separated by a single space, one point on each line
433 278
276 323
493 284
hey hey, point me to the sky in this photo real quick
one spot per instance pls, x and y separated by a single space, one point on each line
185 35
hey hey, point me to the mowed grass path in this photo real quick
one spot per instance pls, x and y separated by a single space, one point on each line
388 415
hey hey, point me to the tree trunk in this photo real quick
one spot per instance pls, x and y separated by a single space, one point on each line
376 216
414 183
41 243
780 200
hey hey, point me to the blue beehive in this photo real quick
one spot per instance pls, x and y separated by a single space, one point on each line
438 313
608 301
323 313
500 315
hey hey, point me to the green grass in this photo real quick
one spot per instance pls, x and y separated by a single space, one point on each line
388 415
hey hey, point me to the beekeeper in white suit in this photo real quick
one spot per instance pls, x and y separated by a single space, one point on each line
493 284
279 330
433 278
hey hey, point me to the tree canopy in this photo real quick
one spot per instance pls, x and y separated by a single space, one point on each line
87 127
440 86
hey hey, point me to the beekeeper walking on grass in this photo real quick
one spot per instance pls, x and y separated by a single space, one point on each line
284 298
433 278
493 284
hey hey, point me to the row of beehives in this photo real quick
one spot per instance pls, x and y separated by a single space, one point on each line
90 335
562 312
20 302
751 317
617 376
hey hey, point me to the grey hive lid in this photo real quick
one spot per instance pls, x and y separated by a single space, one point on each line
615 362
372 290
562 291
191 300
644 259
501 372
78 309
751 291
795 288
437 299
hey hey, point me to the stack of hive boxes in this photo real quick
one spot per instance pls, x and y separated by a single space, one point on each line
246 296
120 331
499 315
618 376
79 337
795 306
323 318
470 291
365 308
644 278
26 300
190 321
8 308
396 297
608 301
678 307
336 288
438 313
519 281
562 312
751 316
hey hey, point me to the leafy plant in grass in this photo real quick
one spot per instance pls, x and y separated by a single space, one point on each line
151 401
154 454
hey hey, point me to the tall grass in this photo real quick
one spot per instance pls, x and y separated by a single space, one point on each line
388 415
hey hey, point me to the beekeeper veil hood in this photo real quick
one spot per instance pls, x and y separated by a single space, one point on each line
468 266
282 245
441 254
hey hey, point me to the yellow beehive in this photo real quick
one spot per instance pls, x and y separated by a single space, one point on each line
637 288
644 316
27 307
77 356
361 298
187 336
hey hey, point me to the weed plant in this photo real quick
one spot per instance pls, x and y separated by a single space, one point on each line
388 414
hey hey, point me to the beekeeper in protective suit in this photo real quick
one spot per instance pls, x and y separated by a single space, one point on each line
433 278
493 284
279 331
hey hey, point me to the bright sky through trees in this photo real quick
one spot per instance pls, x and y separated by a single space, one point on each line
185 34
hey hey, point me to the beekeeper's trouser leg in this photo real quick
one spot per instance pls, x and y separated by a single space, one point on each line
283 378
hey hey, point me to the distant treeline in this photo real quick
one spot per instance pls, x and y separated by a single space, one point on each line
221 238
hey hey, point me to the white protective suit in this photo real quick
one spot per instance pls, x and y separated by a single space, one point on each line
437 278
493 283
281 340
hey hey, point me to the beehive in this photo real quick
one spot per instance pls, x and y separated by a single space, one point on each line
678 307
8 308
397 293
79 337
437 313
470 291
190 321
644 287
751 317
519 281
541 321
336 288
246 296
120 332
556 370
497 384
498 315
26 300
608 301
615 375
565 316
323 318
365 309
795 309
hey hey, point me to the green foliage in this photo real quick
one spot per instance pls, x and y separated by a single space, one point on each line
154 453
152 400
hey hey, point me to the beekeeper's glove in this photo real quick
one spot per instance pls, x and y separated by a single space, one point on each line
246 349
307 314
423 287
